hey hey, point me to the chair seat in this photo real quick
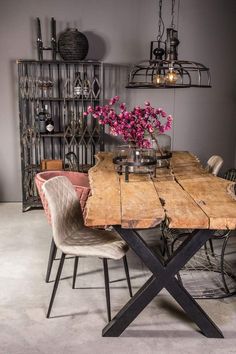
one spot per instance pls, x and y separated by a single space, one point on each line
92 242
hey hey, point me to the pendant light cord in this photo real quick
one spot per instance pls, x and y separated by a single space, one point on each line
174 98
161 26
172 14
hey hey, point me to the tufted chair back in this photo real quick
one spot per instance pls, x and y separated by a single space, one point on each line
65 208
214 164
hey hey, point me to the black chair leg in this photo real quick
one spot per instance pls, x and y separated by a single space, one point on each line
52 256
75 271
56 284
107 288
127 275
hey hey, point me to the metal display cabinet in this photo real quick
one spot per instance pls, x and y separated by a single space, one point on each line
52 83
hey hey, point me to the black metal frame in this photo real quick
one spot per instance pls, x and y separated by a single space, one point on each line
59 271
147 161
51 258
164 276
40 46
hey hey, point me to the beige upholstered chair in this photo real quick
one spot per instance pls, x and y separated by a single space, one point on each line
72 237
214 164
80 182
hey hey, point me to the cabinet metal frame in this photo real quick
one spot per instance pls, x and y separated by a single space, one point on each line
73 132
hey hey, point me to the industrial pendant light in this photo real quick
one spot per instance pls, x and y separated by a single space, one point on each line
163 69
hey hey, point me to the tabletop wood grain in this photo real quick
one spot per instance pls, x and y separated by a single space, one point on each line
185 195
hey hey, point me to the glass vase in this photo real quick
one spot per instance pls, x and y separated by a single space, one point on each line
162 145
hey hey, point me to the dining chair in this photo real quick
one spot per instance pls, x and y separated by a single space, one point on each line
73 238
214 164
80 182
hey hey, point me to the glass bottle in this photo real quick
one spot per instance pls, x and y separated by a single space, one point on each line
49 122
41 118
78 86
86 86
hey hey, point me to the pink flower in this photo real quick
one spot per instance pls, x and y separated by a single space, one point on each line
146 144
90 109
122 106
113 132
163 114
150 129
112 101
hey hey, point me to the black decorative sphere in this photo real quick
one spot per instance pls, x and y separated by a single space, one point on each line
73 45
159 52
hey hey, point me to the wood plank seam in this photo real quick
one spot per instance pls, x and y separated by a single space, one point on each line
194 201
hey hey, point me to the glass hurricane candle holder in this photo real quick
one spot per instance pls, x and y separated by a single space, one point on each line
129 159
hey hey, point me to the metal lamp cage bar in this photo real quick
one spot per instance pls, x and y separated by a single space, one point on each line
190 74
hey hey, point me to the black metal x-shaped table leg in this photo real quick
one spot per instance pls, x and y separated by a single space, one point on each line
163 277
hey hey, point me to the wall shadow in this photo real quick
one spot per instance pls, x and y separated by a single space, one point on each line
97 46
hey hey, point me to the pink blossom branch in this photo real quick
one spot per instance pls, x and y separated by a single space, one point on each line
135 124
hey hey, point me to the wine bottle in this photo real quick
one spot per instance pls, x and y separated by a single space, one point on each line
78 86
49 122
41 118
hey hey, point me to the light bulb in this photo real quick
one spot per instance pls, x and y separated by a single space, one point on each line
158 79
171 76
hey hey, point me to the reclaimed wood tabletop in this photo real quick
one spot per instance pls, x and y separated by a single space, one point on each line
184 195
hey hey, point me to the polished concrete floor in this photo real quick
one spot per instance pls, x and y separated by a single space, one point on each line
79 315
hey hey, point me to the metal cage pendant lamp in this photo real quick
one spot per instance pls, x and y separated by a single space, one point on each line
163 69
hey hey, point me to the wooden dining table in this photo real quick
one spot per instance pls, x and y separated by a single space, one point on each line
182 196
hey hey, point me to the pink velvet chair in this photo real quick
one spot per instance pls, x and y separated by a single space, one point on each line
81 185
79 180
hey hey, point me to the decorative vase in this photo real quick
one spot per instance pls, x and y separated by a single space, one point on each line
73 45
164 144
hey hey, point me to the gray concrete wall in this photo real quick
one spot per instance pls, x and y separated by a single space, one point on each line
120 32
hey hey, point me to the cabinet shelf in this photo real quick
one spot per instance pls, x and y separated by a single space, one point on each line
63 135
60 99
54 135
